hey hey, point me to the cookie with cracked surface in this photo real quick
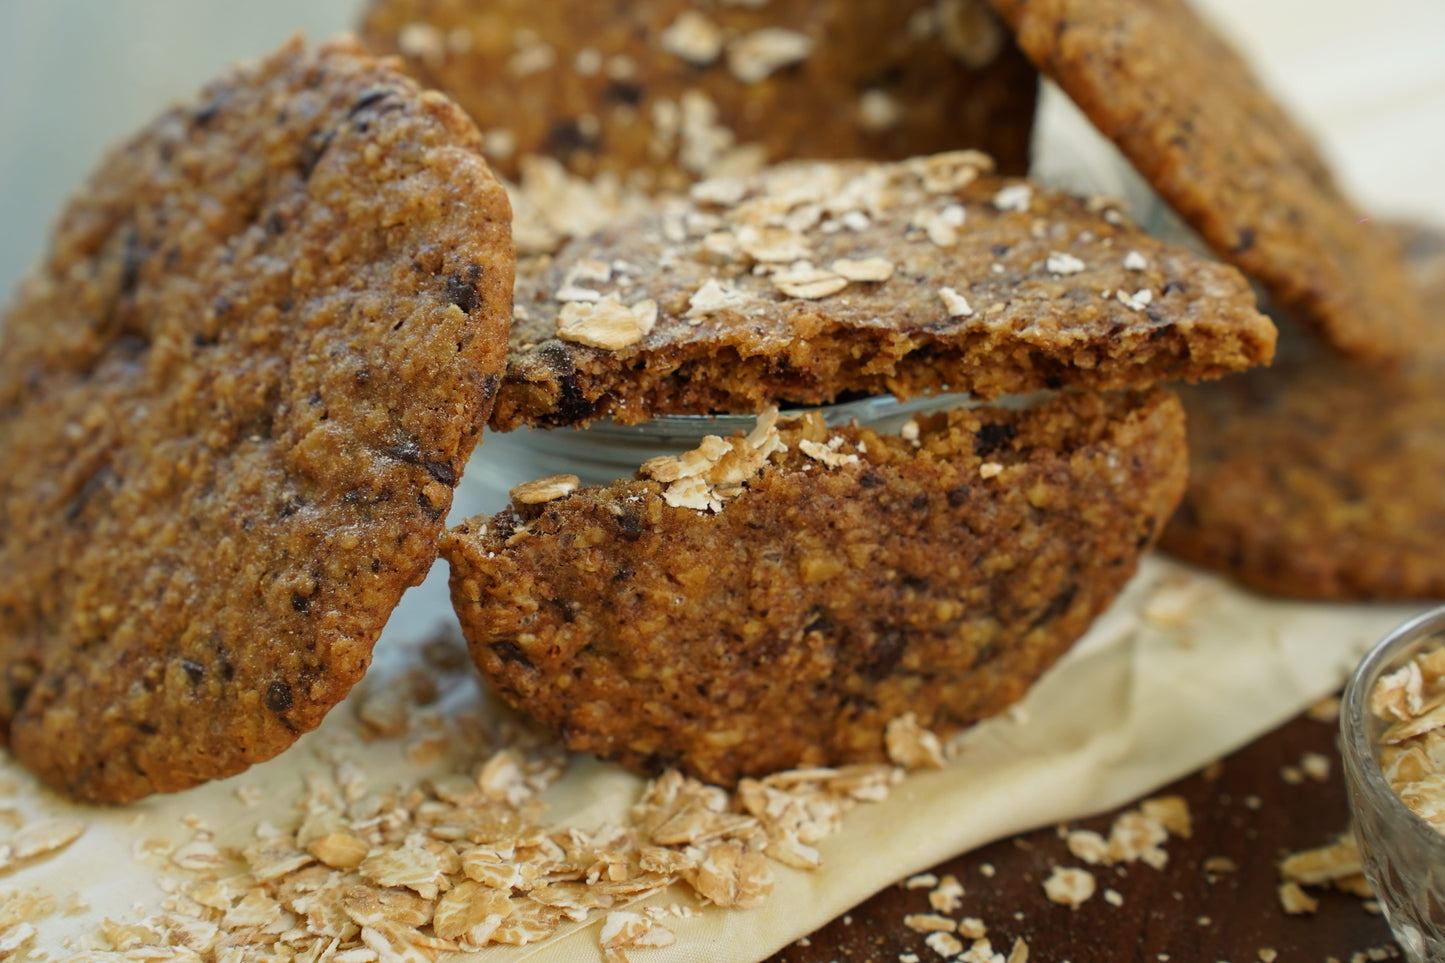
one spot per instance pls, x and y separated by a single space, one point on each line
672 90
816 280
1187 111
1316 479
235 396
776 600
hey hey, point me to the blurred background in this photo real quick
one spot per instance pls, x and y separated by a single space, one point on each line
1368 76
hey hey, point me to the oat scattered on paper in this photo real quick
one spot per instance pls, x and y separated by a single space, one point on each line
460 861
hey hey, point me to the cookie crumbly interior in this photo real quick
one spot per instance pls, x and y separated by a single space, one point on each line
752 614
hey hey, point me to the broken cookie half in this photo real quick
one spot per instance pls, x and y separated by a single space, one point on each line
775 600
818 280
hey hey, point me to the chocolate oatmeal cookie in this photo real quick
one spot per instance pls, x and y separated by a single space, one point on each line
665 92
235 396
776 600
1315 479
815 280
1186 109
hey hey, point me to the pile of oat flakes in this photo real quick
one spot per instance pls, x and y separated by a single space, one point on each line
460 861
1412 700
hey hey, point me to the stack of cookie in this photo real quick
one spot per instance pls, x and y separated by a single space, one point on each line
778 599
240 387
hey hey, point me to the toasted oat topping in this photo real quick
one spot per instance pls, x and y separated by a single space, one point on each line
868 269
956 304
756 56
1138 301
606 323
544 490
694 38
719 468
1058 263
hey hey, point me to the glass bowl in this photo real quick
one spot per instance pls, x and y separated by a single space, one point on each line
1404 857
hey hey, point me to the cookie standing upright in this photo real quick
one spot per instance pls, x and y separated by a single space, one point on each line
1316 479
1186 110
235 397
669 91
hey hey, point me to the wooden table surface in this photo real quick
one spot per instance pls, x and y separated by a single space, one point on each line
1244 810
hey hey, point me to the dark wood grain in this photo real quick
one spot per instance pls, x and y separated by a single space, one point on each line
1244 810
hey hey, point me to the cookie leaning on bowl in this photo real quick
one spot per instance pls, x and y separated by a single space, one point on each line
802 589
1317 479
662 93
235 397
1187 111
815 280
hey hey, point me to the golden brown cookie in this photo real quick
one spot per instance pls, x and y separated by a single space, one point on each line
235 396
763 607
814 280
1316 479
1185 108
668 91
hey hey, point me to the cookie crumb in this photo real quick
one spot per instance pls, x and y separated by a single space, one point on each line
543 490
947 895
1327 710
945 945
1295 901
1316 766
929 923
910 745
1069 886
